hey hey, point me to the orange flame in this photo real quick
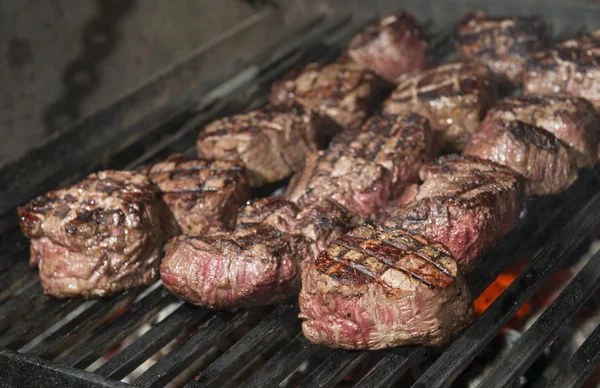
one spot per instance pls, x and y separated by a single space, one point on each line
494 290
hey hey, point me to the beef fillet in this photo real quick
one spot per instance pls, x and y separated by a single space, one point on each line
375 289
391 48
200 194
95 238
454 97
549 164
503 44
271 142
466 203
341 92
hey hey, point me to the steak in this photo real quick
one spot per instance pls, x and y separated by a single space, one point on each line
571 68
95 238
503 44
200 194
570 119
373 289
344 93
465 203
454 97
399 143
394 46
549 164
271 142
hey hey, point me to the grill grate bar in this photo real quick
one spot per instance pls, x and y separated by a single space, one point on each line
251 345
460 354
391 367
543 331
205 337
131 357
282 363
113 333
334 368
15 308
19 277
581 365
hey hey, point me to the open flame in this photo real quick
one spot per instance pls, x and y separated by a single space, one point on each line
497 288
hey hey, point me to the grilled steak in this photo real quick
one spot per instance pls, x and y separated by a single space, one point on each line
392 47
199 193
572 120
501 43
400 143
571 68
549 164
271 142
373 289
97 237
454 97
342 92
466 203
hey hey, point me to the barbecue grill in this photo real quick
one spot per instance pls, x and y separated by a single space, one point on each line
49 342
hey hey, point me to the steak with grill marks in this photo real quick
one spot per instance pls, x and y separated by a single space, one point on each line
341 92
271 142
571 68
570 119
373 289
454 97
400 143
200 194
95 238
466 203
394 46
503 44
549 164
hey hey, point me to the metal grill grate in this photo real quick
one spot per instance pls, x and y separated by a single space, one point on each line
48 342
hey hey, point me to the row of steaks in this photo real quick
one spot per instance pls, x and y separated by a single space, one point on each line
373 231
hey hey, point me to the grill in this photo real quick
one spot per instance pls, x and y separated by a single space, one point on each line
48 342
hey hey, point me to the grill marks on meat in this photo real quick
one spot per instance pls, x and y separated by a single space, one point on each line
454 97
341 92
373 289
95 238
394 46
271 142
465 203
571 68
200 194
258 263
501 43
549 164
572 120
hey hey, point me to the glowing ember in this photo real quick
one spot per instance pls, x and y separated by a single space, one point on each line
494 290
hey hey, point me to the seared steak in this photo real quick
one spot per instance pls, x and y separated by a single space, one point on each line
392 47
549 164
373 289
200 194
271 142
501 43
97 237
466 203
570 119
342 92
400 143
454 97
571 68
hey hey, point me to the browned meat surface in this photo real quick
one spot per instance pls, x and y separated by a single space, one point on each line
400 143
501 43
549 164
466 203
570 119
571 68
271 142
95 238
341 92
454 97
200 194
375 289
394 46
